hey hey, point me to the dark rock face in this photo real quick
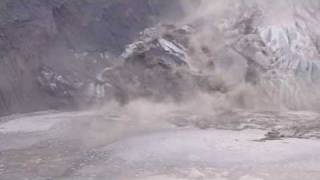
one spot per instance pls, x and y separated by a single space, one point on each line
72 39
108 25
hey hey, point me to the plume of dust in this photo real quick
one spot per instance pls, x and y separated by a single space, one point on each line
143 114
114 121
220 9
218 17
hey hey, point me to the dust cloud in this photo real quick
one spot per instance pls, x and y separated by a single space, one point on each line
220 24
223 23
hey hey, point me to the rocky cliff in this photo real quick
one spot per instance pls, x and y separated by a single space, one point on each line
50 48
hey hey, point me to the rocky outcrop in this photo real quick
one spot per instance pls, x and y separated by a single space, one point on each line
158 66
153 65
